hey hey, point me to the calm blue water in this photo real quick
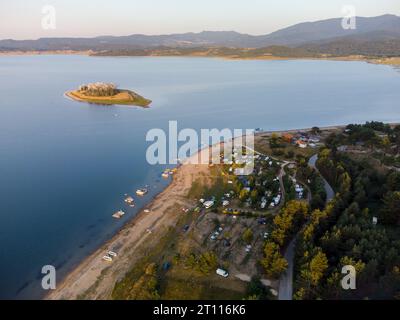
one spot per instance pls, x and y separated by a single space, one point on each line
65 166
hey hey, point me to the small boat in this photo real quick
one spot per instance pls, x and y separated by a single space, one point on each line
118 214
141 192
165 175
129 200
107 258
112 253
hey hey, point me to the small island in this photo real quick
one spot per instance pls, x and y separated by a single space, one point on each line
107 94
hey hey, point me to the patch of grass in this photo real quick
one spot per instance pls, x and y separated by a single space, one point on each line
185 285
190 289
196 190
122 287
263 146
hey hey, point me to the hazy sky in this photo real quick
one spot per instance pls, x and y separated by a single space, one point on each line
23 19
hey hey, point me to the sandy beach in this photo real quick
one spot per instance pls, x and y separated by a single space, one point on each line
94 278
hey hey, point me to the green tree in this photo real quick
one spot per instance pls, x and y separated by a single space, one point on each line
254 195
274 141
315 130
145 288
390 212
247 236
273 262
318 267
244 193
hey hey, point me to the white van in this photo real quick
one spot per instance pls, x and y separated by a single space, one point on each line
222 273
208 204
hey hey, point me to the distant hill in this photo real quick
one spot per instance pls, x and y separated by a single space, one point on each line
374 35
356 46
136 41
374 28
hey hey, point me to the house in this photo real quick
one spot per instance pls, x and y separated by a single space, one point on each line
287 137
302 144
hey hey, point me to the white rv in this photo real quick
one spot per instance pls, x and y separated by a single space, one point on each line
222 272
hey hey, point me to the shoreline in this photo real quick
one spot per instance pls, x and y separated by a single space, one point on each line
111 101
388 61
43 53
80 279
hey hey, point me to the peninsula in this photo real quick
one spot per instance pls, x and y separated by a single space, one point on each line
107 94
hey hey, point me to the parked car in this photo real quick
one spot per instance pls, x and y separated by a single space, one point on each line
222 272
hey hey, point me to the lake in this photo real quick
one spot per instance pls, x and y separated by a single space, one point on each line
65 166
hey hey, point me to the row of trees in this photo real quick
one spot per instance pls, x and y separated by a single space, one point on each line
99 89
204 263
371 134
146 287
316 184
343 234
285 225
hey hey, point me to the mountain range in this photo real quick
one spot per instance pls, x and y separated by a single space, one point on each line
325 36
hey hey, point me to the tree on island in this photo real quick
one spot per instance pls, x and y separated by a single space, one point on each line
99 89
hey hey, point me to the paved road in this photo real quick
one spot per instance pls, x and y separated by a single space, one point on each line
329 191
286 280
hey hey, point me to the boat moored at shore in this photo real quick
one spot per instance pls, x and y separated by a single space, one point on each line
129 200
119 214
141 192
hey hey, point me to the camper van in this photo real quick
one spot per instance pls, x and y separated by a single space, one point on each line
222 273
